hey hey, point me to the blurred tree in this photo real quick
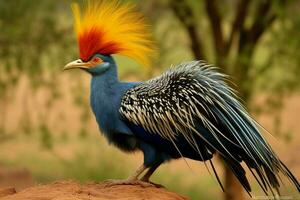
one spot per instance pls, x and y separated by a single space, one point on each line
29 32
249 39
33 39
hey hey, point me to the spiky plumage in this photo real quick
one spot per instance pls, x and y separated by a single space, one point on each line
193 102
108 27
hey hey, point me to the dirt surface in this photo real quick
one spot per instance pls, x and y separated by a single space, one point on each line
70 190
18 178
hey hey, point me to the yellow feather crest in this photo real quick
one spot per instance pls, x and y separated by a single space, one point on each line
108 27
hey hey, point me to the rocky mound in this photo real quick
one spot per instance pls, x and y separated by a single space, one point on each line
70 190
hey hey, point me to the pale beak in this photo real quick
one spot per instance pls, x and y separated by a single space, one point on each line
78 64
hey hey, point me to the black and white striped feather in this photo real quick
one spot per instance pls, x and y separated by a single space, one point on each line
193 95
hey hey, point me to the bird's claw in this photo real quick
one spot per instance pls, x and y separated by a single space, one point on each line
146 180
155 184
111 182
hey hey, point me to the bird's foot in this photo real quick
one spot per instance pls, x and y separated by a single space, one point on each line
155 184
111 182
145 180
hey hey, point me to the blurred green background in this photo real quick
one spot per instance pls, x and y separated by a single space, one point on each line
48 132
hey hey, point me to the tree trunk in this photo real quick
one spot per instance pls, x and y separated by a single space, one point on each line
234 190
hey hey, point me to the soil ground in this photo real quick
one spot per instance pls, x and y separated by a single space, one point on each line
69 190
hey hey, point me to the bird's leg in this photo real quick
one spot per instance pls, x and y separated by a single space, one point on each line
131 180
137 173
148 174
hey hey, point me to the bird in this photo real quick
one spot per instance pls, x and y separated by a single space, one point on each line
189 112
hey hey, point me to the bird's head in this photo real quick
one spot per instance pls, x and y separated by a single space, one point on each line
107 27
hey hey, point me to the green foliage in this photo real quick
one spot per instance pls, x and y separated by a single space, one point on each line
33 40
29 31
279 59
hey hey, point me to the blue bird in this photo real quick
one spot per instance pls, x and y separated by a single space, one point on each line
187 112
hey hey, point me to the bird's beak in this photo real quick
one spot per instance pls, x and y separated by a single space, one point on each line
78 64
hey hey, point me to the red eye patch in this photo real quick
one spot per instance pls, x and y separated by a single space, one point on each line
96 60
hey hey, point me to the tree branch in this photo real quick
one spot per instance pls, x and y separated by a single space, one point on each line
248 39
185 15
263 18
216 26
241 13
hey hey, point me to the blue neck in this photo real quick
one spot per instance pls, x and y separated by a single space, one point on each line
106 95
106 79
105 88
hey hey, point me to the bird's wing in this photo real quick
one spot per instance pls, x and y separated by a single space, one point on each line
187 95
191 100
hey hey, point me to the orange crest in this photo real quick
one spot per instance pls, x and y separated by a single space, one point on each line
107 27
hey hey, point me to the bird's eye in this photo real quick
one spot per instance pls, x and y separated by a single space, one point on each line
96 60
